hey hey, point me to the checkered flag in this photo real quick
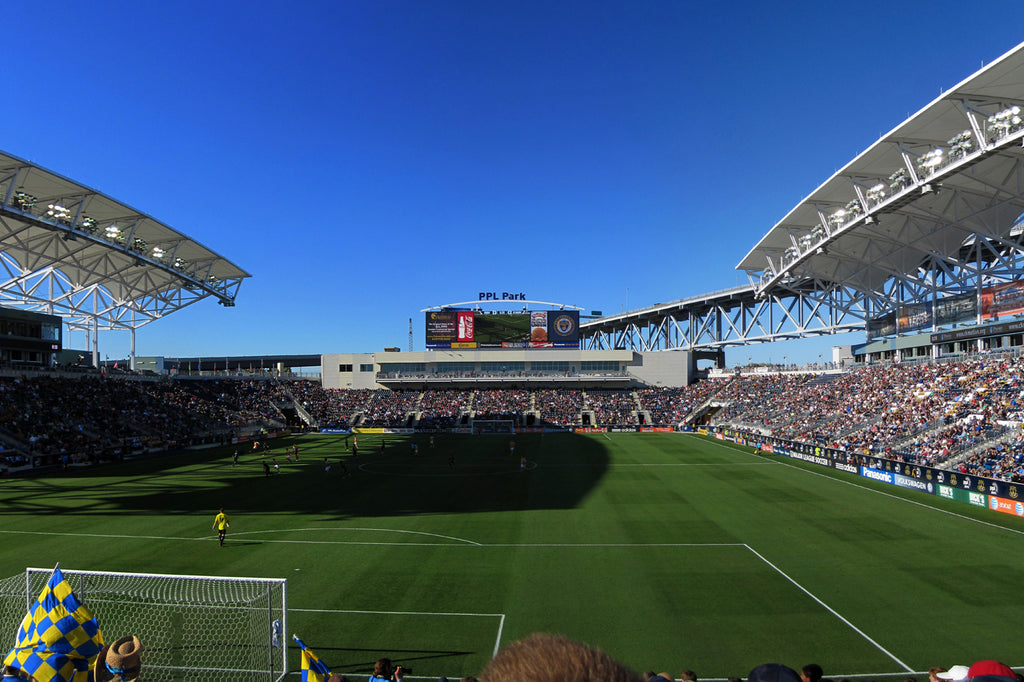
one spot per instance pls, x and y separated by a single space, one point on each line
59 639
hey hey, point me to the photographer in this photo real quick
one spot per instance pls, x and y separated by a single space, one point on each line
383 670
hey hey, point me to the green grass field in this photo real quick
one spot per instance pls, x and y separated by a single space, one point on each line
668 551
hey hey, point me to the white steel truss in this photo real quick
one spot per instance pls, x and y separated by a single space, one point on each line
71 251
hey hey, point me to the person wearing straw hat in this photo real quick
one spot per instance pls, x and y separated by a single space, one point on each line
120 661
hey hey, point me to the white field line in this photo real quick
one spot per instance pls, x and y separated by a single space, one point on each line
499 616
871 490
830 610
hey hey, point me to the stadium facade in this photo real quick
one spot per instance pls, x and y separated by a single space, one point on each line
483 368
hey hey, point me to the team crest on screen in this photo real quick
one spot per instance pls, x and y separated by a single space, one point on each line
563 325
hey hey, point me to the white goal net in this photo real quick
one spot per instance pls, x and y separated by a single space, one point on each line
191 627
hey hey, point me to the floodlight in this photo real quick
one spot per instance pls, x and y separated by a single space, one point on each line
961 145
112 231
24 201
930 161
876 193
88 225
899 181
158 253
1004 122
58 213
854 208
837 218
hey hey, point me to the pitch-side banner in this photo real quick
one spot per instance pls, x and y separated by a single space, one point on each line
1002 496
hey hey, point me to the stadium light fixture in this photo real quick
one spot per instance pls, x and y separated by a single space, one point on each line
1004 122
88 225
24 201
876 194
158 253
112 232
899 181
58 213
928 163
837 218
854 209
961 145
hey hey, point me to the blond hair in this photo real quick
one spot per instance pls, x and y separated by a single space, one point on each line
554 658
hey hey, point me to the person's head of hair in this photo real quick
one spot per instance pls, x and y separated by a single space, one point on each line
812 672
554 658
688 676
382 668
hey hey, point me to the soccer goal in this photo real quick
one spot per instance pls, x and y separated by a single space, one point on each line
191 627
481 426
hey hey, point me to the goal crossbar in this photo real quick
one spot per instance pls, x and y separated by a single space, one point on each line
207 627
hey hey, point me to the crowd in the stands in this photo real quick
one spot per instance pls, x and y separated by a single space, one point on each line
963 414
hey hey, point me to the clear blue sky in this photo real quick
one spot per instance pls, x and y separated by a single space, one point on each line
366 159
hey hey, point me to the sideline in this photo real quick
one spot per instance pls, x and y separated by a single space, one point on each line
862 487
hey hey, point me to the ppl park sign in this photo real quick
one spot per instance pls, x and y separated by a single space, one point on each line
505 296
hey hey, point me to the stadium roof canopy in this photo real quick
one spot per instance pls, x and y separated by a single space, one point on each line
949 176
68 250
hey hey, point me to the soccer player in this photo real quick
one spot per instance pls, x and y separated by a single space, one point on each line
221 525
234 458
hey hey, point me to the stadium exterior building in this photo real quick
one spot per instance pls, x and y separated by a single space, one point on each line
482 368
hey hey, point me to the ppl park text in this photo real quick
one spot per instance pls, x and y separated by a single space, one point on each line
505 296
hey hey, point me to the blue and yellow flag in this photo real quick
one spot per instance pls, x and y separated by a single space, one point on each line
313 669
59 639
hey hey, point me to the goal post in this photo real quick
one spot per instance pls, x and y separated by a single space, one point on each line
191 627
484 426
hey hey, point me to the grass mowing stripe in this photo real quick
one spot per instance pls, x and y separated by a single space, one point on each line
837 479
601 542
831 610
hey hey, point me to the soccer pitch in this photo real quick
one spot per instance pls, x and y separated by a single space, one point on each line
669 551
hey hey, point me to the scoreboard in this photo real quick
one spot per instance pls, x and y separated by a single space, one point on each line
476 329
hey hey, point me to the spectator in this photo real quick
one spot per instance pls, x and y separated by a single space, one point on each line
554 658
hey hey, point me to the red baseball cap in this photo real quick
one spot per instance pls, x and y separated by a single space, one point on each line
990 669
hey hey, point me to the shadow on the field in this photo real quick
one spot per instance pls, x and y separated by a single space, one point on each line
407 658
459 474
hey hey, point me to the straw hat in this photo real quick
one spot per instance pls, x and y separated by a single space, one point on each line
121 661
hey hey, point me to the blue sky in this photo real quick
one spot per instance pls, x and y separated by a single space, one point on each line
367 159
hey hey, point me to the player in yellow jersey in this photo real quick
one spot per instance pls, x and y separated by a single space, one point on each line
221 525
